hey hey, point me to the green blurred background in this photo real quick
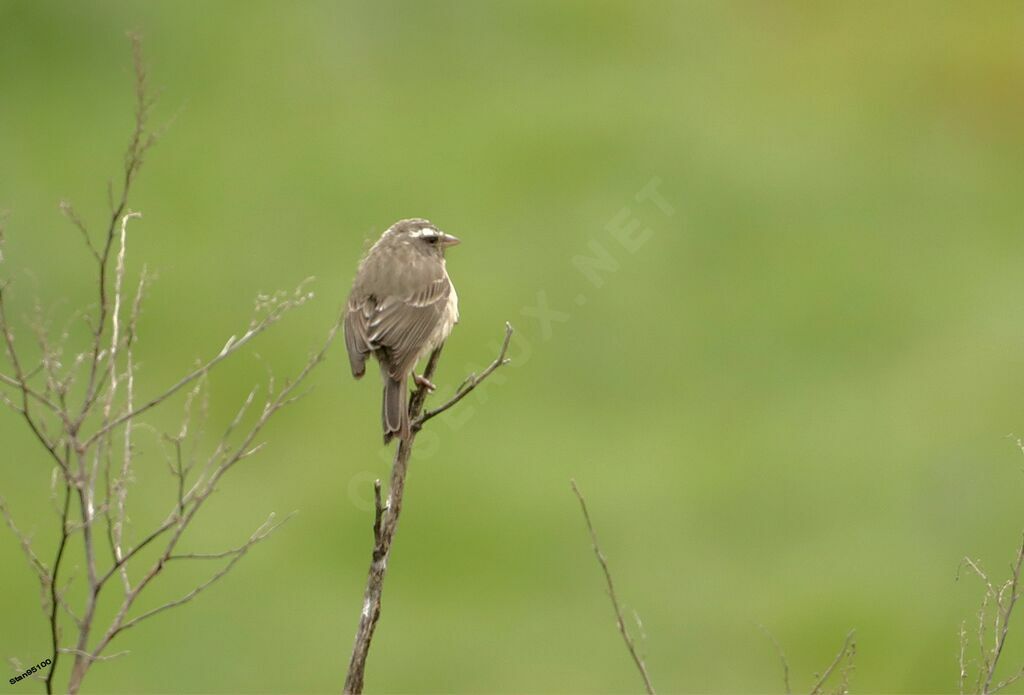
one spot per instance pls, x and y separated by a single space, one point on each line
789 407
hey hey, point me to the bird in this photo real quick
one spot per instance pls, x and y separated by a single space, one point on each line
402 307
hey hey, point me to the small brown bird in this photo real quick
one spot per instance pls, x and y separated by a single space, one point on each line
402 307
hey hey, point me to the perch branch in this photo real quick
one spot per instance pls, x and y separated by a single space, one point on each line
471 382
630 645
386 514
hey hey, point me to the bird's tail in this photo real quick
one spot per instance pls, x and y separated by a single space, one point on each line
394 413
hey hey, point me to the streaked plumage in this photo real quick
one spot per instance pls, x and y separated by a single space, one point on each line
402 307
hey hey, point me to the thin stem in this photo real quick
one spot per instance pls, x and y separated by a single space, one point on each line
21 382
835 662
626 637
782 659
195 503
1003 629
471 382
230 347
54 626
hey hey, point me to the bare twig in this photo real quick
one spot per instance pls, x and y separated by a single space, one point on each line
116 527
1002 600
152 536
40 395
141 140
386 515
782 658
41 570
1008 681
69 211
177 523
847 651
232 346
630 645
1006 605
962 660
267 528
109 657
21 381
54 618
471 382
32 393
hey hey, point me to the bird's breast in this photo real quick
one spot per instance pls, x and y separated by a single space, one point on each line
448 319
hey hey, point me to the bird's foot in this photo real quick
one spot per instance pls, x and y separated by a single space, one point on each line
423 382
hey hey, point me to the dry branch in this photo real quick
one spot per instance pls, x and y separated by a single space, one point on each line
386 515
842 664
846 653
995 613
470 383
94 459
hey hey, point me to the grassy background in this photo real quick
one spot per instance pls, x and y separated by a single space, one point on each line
789 407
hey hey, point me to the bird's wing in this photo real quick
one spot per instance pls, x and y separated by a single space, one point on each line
355 336
399 326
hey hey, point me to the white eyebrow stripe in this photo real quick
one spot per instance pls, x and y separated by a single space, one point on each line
424 232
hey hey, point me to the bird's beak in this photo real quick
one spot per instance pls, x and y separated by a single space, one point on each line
449 240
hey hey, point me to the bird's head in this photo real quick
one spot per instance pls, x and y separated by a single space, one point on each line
421 236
